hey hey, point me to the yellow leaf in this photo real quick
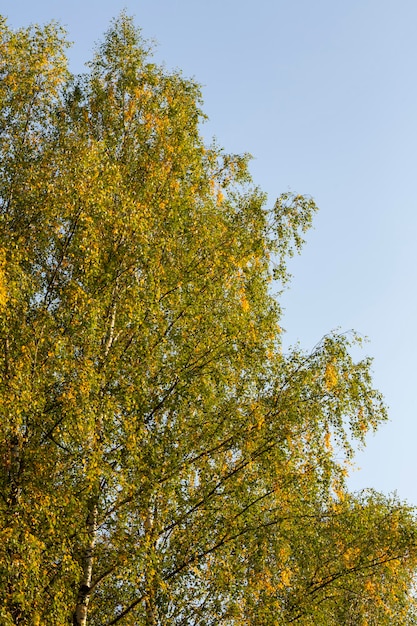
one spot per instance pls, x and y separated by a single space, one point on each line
330 377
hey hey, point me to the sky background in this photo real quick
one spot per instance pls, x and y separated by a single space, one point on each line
323 94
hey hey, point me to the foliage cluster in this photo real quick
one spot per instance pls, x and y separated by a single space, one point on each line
162 460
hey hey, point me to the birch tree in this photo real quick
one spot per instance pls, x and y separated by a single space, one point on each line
162 460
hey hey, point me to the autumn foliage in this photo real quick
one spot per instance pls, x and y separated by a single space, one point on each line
162 460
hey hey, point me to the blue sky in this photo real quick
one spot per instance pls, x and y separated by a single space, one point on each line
323 94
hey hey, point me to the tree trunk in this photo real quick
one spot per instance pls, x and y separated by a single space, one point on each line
83 599
151 619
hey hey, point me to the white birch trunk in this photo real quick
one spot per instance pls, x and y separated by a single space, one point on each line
83 599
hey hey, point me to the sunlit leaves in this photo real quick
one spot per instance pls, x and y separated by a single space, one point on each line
162 460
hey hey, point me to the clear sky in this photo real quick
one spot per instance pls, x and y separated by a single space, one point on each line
323 94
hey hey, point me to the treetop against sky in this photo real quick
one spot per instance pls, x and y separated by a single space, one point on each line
165 460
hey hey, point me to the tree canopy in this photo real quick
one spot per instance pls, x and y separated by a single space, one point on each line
163 460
